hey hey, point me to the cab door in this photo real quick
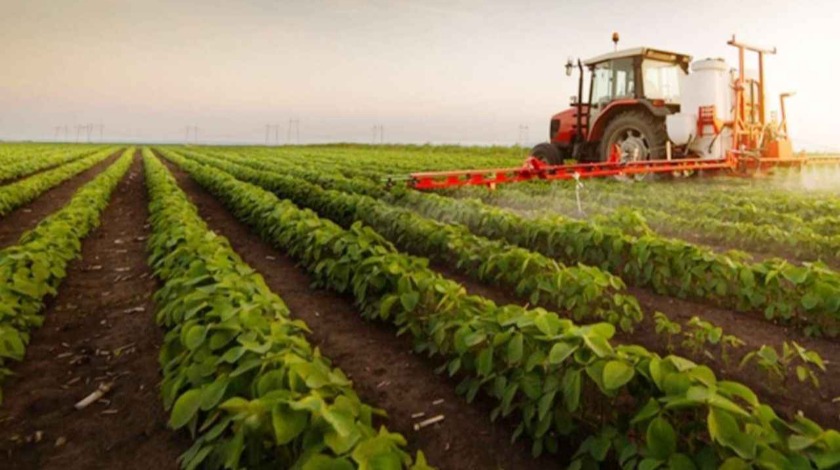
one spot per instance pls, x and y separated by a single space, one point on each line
611 80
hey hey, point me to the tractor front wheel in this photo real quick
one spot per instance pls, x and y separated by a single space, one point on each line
548 152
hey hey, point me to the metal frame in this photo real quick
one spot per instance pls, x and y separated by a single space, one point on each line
535 169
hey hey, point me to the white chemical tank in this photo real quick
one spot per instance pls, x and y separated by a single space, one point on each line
709 83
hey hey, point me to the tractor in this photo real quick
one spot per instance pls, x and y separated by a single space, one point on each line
654 112
630 94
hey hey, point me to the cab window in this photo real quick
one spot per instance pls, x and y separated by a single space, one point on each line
611 80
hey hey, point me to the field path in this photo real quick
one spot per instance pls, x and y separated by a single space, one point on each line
28 216
385 372
99 329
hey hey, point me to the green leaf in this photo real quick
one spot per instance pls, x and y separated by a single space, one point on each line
409 300
681 462
340 419
195 337
616 374
560 351
324 462
186 407
514 349
599 345
810 300
734 463
484 362
661 438
287 423
212 394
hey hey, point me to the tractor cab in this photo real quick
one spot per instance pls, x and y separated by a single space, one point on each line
636 74
630 93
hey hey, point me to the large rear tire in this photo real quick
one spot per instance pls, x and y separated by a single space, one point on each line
548 153
639 135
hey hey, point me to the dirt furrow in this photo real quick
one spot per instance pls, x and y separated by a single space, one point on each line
28 216
382 366
99 329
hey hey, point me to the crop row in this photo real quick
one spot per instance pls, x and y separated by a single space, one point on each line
21 192
807 296
33 269
238 370
623 403
22 165
587 293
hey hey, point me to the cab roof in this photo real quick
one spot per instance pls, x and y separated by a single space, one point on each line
646 52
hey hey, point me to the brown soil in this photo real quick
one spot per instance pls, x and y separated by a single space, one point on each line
28 216
382 366
99 329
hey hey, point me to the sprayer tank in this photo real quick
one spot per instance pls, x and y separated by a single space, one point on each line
708 84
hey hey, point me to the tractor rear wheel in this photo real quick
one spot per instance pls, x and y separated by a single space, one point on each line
639 136
548 153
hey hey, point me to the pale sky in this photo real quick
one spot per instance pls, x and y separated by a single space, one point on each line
427 70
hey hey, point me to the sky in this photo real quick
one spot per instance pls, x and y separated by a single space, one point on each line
441 71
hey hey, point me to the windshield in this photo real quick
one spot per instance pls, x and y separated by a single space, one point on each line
661 80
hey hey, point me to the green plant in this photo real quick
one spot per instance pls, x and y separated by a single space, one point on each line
698 333
665 326
778 366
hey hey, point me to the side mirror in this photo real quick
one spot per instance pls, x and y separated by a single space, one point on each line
573 100
570 66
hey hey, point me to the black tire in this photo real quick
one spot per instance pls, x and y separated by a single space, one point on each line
548 153
642 136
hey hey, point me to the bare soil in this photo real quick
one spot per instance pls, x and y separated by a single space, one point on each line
99 329
385 371
24 218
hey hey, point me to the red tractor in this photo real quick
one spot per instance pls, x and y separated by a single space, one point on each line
623 118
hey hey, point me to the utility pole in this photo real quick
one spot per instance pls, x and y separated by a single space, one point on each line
267 127
293 123
89 130
187 135
66 133
101 131
378 131
57 130
78 131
